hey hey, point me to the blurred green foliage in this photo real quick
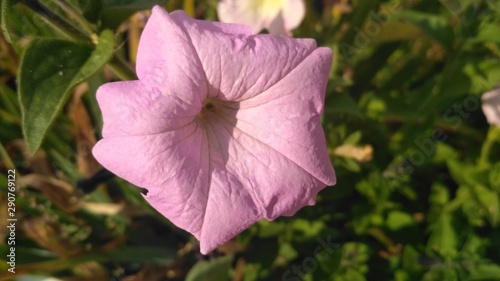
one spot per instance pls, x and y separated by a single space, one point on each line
418 167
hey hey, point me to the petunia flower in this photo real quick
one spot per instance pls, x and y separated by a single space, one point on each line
222 127
491 106
277 16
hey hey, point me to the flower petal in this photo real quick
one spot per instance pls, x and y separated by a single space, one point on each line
277 26
287 116
289 18
167 57
173 166
257 152
257 15
248 182
491 106
140 108
214 26
238 67
293 13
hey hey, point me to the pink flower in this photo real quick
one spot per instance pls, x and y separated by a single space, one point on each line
277 16
222 127
491 106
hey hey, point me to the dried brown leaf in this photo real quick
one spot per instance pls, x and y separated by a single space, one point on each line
59 192
359 153
84 133
49 237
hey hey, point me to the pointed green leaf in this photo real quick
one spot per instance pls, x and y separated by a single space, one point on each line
436 27
353 138
489 201
49 70
397 220
342 103
466 174
214 270
443 239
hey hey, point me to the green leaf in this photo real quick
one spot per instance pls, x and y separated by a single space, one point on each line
495 177
444 152
443 239
20 21
436 27
484 75
49 70
399 220
485 272
466 174
488 199
473 247
143 254
342 103
269 229
307 230
5 27
213 270
286 250
351 165
354 275
353 138
410 259
470 208
488 32
440 194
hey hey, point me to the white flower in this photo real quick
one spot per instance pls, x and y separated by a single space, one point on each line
491 106
277 16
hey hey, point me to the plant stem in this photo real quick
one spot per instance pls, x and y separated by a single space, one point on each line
50 19
59 29
493 135
84 25
6 158
122 69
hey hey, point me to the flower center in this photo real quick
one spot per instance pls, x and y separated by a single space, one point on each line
217 108
208 108
208 104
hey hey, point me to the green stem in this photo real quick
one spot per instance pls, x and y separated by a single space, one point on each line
462 130
493 135
122 69
84 25
443 81
453 205
6 158
59 29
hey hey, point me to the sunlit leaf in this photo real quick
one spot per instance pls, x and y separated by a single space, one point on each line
50 69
